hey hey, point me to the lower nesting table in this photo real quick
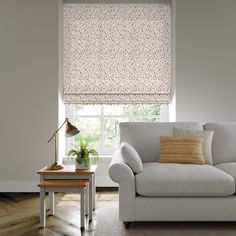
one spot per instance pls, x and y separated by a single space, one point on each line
67 174
56 185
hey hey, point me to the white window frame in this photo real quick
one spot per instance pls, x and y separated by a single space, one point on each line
164 117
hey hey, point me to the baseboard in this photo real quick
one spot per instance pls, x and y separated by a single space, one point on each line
18 186
105 181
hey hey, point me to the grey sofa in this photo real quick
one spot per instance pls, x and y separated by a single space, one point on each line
176 192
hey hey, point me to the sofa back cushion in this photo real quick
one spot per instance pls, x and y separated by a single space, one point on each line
223 142
144 136
206 146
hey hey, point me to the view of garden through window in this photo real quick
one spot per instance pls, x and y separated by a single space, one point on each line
99 124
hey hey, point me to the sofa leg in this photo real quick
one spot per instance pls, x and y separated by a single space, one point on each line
127 224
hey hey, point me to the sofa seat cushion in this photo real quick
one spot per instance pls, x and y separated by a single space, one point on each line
170 179
229 168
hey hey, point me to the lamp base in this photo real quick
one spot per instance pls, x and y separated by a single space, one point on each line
55 166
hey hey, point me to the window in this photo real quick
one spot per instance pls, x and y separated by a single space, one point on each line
99 124
115 54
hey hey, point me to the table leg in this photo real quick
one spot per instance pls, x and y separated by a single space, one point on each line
86 201
51 203
42 208
90 197
94 191
82 208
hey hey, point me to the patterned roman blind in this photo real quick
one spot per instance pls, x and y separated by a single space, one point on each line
117 53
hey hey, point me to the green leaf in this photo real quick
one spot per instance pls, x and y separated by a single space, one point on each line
72 152
82 150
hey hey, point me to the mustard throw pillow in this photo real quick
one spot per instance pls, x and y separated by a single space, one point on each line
181 149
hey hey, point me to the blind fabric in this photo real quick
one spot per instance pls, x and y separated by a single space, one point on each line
117 53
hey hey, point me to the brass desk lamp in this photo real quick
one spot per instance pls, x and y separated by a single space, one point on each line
71 131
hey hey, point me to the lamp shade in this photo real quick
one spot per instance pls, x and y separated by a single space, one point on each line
71 130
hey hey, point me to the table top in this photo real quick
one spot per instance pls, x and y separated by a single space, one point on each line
68 169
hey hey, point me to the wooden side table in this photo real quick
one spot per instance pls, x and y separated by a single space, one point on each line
57 185
69 173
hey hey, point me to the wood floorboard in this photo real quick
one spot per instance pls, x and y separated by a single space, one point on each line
19 216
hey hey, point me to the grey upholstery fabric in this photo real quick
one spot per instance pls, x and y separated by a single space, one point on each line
207 189
206 147
229 168
131 157
223 142
185 209
167 179
144 136
121 173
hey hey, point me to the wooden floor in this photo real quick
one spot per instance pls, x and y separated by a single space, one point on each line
19 216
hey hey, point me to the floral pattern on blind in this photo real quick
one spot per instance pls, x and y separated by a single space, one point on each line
117 53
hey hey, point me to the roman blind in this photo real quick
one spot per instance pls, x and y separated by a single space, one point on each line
117 53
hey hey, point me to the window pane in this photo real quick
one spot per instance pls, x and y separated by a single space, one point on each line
111 132
107 140
145 111
90 129
113 109
144 119
88 110
132 110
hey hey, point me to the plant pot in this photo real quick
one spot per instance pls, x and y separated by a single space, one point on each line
82 166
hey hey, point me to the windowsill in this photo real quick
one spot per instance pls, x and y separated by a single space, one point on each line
71 160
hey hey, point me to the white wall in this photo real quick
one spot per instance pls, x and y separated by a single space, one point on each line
205 60
28 89
205 77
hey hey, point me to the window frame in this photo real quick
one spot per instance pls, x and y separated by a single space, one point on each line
164 117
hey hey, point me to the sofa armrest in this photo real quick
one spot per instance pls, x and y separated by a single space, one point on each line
123 174
119 171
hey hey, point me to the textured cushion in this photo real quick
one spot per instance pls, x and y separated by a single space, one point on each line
223 142
229 168
181 149
206 146
144 136
168 179
131 157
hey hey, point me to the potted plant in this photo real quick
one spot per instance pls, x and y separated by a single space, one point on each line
85 155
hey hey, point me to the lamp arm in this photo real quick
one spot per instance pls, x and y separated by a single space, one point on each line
55 132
